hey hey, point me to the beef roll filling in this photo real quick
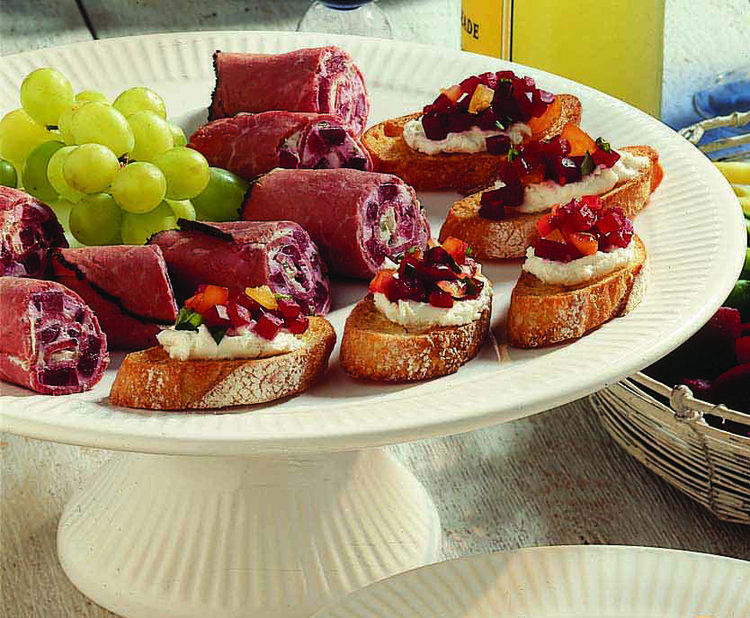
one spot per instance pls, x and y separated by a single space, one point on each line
323 145
341 91
28 231
393 223
51 341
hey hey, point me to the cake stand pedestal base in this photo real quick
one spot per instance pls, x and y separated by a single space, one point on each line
203 537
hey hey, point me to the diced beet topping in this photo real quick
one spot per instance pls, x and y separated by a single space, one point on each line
563 159
498 144
439 276
581 228
224 310
488 101
288 160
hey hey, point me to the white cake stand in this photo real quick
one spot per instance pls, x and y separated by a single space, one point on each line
278 510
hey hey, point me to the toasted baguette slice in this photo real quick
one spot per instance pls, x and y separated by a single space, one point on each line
541 314
459 171
150 379
373 347
510 237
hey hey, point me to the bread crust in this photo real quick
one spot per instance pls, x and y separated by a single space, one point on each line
375 348
509 238
459 171
149 379
541 314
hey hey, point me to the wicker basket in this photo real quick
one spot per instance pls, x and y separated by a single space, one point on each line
708 464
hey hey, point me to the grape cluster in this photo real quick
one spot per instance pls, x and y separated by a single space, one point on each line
113 172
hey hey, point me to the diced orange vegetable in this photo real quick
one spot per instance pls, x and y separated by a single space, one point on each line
381 280
580 141
585 242
554 236
453 93
456 248
481 99
534 176
546 120
210 295
263 296
546 225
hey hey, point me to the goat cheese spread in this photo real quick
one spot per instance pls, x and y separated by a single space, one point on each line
417 316
469 141
189 344
539 197
587 268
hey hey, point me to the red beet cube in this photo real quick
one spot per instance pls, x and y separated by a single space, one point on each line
498 144
268 325
435 125
333 136
288 308
297 325
217 316
607 159
238 315
469 85
491 209
556 251
439 298
288 160
442 102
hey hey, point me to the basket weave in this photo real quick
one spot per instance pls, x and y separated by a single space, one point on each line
710 465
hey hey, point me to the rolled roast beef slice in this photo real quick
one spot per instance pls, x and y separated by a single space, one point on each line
242 254
321 79
252 144
28 231
127 287
356 218
51 341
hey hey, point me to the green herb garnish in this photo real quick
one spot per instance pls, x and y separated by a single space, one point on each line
471 287
278 296
587 165
499 125
217 332
513 154
469 251
188 319
602 144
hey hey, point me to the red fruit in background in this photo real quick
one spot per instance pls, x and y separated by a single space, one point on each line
742 350
708 353
699 388
732 388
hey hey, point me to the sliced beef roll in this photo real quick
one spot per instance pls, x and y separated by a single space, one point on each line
243 254
357 219
321 79
252 144
126 286
50 341
28 230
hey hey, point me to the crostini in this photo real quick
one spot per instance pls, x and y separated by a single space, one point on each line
500 221
585 267
227 348
422 319
459 141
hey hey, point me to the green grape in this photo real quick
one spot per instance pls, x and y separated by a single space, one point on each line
65 122
186 170
152 135
182 209
8 175
56 176
96 220
90 168
222 198
62 209
35 179
137 229
45 93
19 134
178 135
99 123
91 95
138 187
138 99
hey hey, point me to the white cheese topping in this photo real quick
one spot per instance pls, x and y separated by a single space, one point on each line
473 140
539 197
587 268
417 316
189 344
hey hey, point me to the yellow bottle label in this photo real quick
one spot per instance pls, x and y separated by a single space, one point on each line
486 27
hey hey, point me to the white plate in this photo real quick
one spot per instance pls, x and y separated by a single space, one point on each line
692 229
576 581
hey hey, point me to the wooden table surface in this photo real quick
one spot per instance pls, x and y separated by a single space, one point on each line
551 479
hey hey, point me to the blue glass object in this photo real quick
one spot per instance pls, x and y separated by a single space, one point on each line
730 93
